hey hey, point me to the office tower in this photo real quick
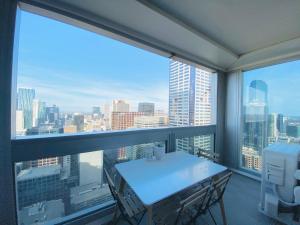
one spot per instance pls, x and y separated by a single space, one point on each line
150 121
147 108
78 121
272 127
71 164
20 128
123 120
25 100
256 116
281 125
52 115
191 102
38 112
120 106
46 181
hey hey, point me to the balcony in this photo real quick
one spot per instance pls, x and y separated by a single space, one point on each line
240 209
224 76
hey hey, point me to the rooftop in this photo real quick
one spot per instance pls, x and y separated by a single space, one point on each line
90 192
37 172
40 212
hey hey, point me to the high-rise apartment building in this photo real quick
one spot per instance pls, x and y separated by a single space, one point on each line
147 108
123 120
120 106
24 103
192 94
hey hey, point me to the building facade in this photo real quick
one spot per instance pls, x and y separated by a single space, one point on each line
192 96
120 106
147 108
123 120
24 103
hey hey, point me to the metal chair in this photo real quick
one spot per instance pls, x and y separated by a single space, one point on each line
218 188
185 207
131 209
210 155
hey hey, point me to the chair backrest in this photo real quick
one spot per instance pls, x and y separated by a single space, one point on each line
198 200
210 155
111 184
219 185
127 201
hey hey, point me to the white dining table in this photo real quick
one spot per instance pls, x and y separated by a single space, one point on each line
156 180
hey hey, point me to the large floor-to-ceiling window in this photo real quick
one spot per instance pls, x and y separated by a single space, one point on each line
270 110
72 81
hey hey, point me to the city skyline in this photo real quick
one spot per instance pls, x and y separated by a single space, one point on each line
95 73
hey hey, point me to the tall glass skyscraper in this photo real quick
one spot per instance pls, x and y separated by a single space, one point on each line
25 100
191 102
256 116
256 129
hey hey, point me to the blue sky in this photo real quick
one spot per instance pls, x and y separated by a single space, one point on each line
283 82
76 69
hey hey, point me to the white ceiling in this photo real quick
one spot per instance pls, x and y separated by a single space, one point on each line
223 34
240 25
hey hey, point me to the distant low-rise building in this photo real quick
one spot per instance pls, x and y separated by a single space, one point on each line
147 108
39 184
123 120
150 121
293 130
41 212
89 195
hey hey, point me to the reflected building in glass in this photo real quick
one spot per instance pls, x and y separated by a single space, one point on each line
256 118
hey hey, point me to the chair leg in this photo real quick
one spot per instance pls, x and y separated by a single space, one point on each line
223 211
116 220
142 216
212 217
116 217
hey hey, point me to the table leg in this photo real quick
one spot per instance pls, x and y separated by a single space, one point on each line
122 185
221 203
149 215
223 211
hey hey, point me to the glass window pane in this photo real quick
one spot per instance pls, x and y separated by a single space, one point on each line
83 82
270 110
52 188
49 189
196 145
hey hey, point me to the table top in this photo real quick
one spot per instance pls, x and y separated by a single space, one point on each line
153 181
